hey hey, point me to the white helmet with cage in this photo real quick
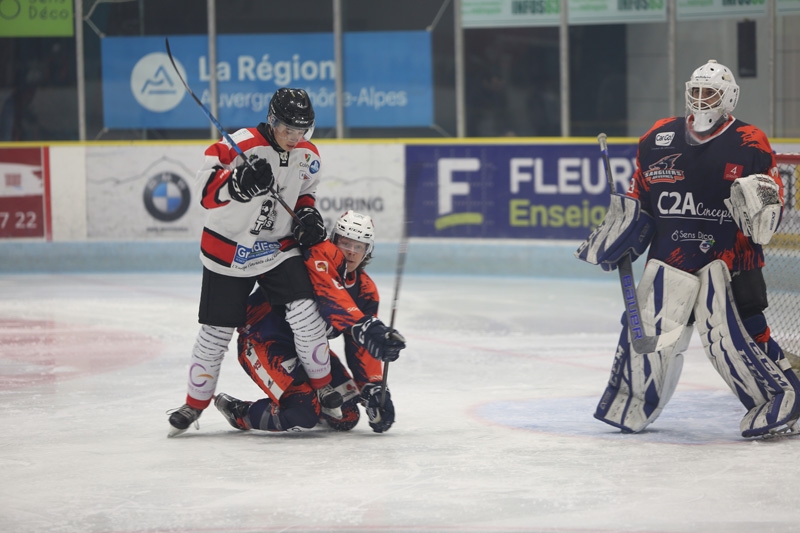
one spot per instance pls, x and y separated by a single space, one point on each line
711 94
357 227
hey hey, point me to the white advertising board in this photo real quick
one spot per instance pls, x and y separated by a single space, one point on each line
144 192
368 178
141 192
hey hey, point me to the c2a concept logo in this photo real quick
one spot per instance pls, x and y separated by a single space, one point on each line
448 189
154 83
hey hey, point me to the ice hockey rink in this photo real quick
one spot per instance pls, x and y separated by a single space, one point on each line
494 430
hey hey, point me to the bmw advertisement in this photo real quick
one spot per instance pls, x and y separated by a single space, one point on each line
389 79
143 192
530 191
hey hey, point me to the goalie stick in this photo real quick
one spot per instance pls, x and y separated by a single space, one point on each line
641 342
228 138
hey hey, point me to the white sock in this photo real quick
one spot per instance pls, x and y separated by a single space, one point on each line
309 339
207 354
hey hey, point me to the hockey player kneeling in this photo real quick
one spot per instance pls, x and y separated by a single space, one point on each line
704 262
348 300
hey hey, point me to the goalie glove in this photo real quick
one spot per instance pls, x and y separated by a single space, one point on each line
755 205
313 229
626 229
246 182
382 342
380 418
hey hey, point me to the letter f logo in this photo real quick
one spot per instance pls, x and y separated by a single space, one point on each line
449 188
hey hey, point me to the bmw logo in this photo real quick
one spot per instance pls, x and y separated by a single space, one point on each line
167 197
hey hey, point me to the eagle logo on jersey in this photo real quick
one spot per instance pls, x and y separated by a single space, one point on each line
664 171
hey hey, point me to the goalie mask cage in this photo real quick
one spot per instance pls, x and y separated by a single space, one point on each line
782 256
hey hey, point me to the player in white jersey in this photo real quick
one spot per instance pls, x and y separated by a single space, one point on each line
250 238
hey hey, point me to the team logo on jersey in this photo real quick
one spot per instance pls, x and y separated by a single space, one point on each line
314 168
665 139
284 159
732 172
167 197
664 171
266 219
321 266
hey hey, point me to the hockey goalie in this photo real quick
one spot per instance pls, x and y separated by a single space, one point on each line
705 197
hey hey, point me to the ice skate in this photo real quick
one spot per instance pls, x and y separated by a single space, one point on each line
331 401
181 418
234 410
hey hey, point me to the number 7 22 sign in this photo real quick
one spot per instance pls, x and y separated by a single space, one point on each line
24 193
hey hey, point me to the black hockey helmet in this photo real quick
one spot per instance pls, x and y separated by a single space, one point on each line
293 108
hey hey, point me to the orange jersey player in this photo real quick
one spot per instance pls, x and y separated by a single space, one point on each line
348 301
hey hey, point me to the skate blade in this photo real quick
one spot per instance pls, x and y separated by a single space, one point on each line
174 432
333 413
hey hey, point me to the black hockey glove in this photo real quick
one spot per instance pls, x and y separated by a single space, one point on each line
383 343
380 418
313 229
246 182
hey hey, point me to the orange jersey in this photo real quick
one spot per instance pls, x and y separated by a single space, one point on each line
266 342
343 299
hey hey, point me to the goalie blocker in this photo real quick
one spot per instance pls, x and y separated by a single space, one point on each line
641 385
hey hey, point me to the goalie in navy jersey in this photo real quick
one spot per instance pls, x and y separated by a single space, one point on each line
348 301
705 197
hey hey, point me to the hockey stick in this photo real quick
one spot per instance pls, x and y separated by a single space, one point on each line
402 252
227 137
641 343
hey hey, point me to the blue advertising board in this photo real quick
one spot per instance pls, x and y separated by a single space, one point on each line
388 78
525 191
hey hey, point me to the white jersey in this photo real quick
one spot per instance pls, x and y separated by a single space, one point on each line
247 239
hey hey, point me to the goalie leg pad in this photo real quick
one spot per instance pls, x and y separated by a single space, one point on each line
642 384
771 396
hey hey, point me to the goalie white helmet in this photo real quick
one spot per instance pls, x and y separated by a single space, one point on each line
711 94
357 227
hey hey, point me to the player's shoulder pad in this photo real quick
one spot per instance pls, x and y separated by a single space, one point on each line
658 125
245 138
754 137
307 145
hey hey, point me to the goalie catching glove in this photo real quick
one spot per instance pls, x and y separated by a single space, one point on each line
626 229
380 418
312 231
755 206
382 342
247 181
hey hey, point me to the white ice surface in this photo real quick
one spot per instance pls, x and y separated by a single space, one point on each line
494 429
